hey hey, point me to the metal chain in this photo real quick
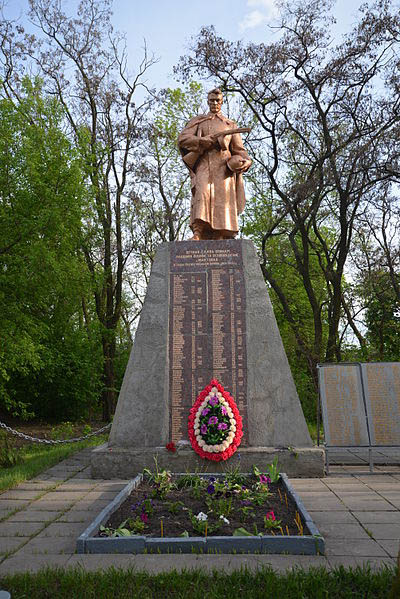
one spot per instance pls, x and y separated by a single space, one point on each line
52 441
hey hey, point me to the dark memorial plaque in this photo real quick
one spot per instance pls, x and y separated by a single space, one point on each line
382 394
343 405
207 336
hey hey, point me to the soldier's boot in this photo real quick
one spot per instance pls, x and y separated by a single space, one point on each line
197 229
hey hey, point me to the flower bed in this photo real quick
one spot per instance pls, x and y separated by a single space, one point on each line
205 513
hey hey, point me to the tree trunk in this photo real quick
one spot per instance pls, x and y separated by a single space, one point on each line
108 393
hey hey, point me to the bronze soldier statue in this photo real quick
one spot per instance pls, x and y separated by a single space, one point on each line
212 149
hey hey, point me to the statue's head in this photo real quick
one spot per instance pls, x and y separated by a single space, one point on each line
215 99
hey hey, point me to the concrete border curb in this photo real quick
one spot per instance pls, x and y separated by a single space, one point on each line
313 544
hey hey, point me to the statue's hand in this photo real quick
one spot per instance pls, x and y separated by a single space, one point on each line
238 164
206 142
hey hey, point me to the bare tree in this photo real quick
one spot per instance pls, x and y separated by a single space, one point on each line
326 135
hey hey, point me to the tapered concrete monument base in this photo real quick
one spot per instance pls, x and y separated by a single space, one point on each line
207 315
111 462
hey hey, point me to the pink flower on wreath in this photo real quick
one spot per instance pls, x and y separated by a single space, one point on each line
222 426
224 411
270 515
205 411
212 420
203 429
213 401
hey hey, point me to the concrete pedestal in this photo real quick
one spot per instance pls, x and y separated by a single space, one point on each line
207 314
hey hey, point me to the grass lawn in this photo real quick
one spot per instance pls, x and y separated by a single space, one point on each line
317 583
37 458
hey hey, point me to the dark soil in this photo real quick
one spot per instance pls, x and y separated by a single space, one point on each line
176 518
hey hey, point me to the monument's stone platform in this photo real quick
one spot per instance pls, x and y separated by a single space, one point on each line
206 315
117 462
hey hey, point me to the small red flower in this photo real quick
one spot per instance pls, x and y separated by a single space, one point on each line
171 447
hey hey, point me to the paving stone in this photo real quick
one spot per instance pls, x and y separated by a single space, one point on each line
13 504
349 531
76 486
66 496
359 548
384 531
394 499
94 506
52 480
356 505
302 486
10 543
362 495
163 563
77 516
90 563
320 504
5 513
375 478
316 495
100 495
354 487
334 517
382 488
377 517
13 494
62 529
19 563
51 506
64 545
375 563
348 561
112 486
391 546
343 480
35 485
18 529
29 515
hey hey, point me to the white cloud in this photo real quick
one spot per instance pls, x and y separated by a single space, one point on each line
255 18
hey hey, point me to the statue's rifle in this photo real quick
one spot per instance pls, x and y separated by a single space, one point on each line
191 158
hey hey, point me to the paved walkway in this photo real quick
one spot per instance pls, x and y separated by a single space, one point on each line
358 514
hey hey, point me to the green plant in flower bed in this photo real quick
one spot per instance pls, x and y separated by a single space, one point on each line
161 480
220 506
233 476
248 512
137 526
273 471
194 505
174 506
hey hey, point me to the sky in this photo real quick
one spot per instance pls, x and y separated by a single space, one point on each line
168 25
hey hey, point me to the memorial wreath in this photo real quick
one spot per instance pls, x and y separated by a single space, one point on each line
215 425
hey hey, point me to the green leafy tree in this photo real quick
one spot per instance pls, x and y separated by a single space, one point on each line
43 279
83 63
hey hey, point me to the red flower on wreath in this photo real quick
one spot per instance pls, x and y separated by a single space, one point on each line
234 432
171 447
